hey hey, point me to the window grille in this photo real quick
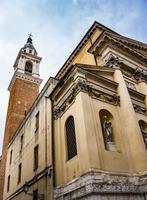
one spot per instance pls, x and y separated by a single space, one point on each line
71 138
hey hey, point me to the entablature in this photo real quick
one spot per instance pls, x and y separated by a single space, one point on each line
108 40
81 80
137 97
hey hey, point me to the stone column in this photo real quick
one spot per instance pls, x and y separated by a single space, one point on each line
134 148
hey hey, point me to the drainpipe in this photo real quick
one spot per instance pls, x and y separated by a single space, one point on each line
53 145
52 172
46 150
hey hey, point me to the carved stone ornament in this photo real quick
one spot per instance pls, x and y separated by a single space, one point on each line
144 134
139 109
113 62
138 74
113 99
84 87
94 182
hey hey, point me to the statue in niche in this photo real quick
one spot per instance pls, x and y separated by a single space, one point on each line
144 133
107 130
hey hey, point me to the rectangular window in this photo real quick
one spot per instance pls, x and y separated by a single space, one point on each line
21 142
19 172
11 152
37 122
36 160
35 195
8 184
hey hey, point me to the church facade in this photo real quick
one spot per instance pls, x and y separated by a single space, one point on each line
85 135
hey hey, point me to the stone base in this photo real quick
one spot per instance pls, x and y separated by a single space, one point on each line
111 146
104 186
116 197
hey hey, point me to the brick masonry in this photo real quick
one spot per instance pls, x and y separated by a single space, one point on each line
22 95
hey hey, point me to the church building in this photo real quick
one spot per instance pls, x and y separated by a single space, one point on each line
84 136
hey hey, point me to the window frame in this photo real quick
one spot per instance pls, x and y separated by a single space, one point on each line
70 153
8 183
36 157
19 173
28 67
37 120
21 142
11 154
35 194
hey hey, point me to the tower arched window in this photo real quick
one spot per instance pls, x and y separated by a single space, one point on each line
70 138
107 125
143 128
28 67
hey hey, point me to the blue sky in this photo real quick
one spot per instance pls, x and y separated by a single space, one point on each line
57 27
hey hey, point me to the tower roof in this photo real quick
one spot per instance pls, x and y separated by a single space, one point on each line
29 44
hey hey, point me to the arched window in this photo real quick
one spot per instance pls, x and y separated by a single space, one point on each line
28 67
143 128
70 138
107 124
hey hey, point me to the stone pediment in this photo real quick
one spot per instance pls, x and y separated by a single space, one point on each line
96 70
134 48
134 44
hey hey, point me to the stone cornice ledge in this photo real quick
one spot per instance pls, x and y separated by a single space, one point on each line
22 76
100 182
84 86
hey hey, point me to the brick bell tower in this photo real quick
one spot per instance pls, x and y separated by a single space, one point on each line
23 88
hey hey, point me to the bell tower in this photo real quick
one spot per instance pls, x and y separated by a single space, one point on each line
23 88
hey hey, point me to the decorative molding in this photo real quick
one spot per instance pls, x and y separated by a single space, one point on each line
26 77
112 99
84 40
96 182
139 74
108 38
140 109
113 62
83 86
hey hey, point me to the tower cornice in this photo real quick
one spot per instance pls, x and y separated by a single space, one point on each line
22 76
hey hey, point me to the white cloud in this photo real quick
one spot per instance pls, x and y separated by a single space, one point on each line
75 2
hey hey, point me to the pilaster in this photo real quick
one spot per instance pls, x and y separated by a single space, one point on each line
136 153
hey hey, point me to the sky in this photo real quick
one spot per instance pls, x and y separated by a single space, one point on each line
57 27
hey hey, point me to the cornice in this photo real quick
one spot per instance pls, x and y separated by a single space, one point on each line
84 40
131 42
90 89
21 53
107 38
33 57
135 74
25 77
